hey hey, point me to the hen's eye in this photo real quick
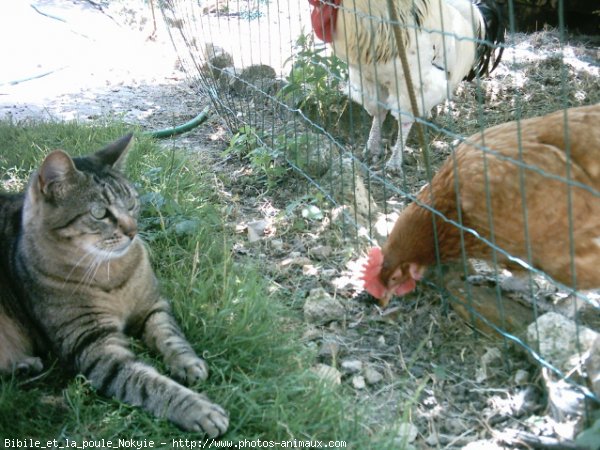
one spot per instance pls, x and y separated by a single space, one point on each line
98 212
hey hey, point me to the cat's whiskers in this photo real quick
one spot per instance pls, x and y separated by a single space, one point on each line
108 270
107 259
93 268
87 274
99 256
77 264
97 260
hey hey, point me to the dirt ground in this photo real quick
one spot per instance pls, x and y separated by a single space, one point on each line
416 363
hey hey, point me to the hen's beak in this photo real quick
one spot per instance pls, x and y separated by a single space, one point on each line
385 300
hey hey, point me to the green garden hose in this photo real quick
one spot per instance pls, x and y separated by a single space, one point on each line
184 128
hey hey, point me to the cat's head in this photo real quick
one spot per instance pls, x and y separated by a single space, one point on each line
84 202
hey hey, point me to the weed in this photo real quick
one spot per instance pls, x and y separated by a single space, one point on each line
264 159
315 82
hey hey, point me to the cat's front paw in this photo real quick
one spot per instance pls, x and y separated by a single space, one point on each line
200 415
189 369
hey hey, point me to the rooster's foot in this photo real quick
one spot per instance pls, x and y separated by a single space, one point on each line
372 155
394 164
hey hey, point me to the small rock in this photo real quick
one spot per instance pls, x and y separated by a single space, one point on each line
346 283
328 273
592 365
277 244
358 382
521 377
309 270
525 401
322 308
491 356
372 376
568 346
312 334
312 212
239 248
564 399
381 341
455 426
576 307
480 374
349 188
320 252
558 339
335 327
256 229
218 59
352 366
295 261
432 440
328 351
327 373
515 284
259 75
406 433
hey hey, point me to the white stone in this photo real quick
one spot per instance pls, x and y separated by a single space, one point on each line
406 433
558 340
372 376
352 366
358 382
521 377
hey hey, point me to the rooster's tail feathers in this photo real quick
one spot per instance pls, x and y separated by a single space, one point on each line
489 53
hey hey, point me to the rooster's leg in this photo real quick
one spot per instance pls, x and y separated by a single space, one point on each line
394 164
374 149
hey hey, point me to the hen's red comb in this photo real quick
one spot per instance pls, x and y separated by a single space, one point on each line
371 272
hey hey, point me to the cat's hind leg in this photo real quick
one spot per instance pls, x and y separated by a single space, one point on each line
16 349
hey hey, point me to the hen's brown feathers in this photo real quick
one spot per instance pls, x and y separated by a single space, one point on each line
516 195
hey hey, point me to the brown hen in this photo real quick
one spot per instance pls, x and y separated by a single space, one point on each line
527 208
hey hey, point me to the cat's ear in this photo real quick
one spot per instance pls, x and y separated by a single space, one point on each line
57 167
115 153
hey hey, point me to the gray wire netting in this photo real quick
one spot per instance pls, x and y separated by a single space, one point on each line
283 95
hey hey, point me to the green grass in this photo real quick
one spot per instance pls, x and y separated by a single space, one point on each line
229 312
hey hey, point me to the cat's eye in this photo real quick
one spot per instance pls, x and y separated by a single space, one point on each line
98 212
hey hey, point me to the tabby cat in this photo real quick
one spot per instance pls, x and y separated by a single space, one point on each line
75 279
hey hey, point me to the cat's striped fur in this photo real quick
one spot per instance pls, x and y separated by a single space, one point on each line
75 279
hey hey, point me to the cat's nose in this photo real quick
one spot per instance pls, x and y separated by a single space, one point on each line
131 232
128 227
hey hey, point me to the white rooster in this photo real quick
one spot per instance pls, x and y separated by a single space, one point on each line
444 42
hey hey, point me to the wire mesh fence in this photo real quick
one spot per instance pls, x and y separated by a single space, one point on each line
326 111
